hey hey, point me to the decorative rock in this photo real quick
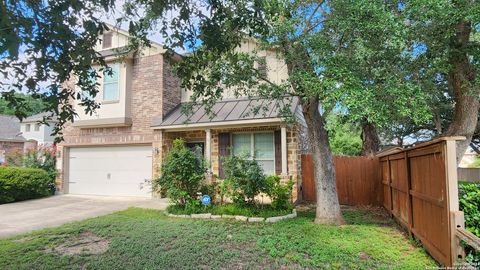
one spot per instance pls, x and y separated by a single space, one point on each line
274 219
178 216
256 219
215 216
242 218
228 216
293 215
207 215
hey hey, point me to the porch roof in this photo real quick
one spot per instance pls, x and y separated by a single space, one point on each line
227 112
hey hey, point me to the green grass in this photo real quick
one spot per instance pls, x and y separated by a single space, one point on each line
148 239
231 209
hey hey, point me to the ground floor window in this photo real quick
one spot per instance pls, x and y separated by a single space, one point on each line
258 146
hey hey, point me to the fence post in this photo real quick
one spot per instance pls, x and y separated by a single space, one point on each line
409 197
456 219
390 185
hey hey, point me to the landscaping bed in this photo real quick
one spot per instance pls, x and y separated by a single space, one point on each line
236 195
149 239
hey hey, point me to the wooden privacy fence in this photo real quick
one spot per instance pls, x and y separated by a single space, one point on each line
421 191
418 186
358 180
469 174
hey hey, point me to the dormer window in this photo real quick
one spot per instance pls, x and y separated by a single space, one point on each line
107 40
111 91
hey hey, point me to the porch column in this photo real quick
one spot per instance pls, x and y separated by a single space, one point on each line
283 140
208 141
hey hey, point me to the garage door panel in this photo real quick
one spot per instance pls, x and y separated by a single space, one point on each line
120 171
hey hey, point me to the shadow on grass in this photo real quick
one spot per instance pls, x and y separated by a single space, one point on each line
358 215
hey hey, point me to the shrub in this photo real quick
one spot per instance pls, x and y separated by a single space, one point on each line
14 158
470 204
246 177
279 193
182 174
18 184
41 158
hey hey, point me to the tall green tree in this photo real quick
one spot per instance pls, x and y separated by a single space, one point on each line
444 37
30 105
320 51
45 44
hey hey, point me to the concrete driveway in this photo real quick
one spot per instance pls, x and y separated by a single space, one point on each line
21 217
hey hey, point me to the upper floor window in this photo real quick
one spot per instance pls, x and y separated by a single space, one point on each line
36 127
258 146
27 128
107 40
110 84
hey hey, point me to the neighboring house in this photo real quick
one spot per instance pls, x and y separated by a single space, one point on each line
20 136
114 151
468 158
11 138
32 130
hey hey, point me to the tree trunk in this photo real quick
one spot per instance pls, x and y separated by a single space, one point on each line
462 80
328 207
370 140
438 121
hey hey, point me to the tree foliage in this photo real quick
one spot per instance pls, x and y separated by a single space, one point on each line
44 45
28 106
344 135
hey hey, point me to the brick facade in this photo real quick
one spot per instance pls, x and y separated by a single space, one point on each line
154 92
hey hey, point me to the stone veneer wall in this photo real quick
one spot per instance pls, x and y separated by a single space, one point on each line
154 92
293 155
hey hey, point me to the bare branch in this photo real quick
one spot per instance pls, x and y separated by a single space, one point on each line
307 27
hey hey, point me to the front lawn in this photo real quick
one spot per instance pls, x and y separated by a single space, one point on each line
147 239
264 211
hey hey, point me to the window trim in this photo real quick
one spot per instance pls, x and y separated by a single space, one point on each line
36 127
252 145
106 101
27 128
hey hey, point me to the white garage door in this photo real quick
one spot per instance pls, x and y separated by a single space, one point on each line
117 171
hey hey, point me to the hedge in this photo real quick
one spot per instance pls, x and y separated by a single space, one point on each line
470 204
19 184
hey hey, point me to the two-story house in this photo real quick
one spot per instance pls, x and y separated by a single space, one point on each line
114 151
33 130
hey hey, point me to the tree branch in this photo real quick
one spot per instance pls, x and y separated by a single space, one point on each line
307 27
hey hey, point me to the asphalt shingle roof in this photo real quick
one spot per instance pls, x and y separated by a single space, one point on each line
39 117
10 128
